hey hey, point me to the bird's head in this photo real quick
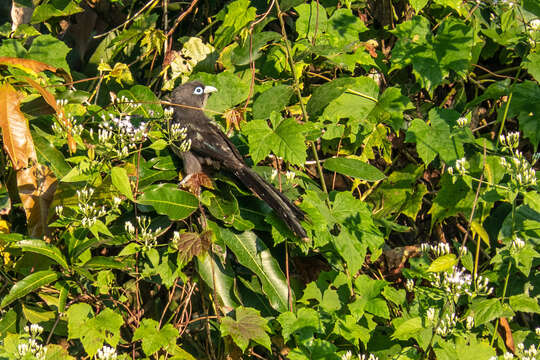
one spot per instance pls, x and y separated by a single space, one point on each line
193 94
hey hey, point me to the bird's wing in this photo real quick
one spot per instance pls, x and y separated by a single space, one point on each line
207 140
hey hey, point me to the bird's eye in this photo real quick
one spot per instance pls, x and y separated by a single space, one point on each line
198 90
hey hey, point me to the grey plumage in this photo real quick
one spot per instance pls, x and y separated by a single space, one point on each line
211 147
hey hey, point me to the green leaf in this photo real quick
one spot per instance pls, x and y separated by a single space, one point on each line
41 247
343 28
147 101
304 324
50 156
443 263
93 331
103 262
8 323
524 105
532 64
158 145
273 99
485 310
54 8
153 338
525 303
235 16
241 55
407 329
355 168
224 278
249 325
28 284
50 50
232 90
168 200
120 181
312 20
418 4
252 253
389 109
285 139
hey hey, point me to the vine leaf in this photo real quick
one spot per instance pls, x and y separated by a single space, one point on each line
154 338
284 139
249 325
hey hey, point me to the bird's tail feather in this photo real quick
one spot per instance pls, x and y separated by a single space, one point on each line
286 210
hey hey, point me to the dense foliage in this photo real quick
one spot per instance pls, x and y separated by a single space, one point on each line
406 130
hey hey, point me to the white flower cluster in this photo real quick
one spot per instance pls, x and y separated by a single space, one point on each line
349 356
32 346
289 175
87 211
521 353
437 250
517 166
517 244
469 322
118 135
409 285
107 353
462 122
126 105
178 135
446 325
145 236
520 169
535 24
458 283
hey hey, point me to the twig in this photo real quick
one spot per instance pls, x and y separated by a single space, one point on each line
181 17
150 3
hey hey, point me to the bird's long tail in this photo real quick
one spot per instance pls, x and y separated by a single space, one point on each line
286 210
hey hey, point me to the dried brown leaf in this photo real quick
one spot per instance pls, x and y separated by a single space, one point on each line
506 334
15 132
194 182
36 185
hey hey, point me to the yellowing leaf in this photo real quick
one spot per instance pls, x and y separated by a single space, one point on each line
443 263
28 65
478 229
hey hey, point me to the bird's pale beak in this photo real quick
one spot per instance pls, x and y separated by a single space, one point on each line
209 89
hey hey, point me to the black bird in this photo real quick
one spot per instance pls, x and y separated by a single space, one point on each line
210 146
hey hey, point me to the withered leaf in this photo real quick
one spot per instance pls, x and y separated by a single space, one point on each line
36 185
15 132
194 182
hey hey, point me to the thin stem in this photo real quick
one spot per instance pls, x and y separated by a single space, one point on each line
299 94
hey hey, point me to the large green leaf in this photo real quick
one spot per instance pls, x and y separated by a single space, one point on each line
211 268
285 139
355 168
168 200
41 247
50 156
252 253
28 284
312 20
120 181
273 99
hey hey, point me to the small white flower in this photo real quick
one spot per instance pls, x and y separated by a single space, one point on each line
469 322
430 314
409 285
462 121
535 24
106 353
508 356
518 244
537 330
